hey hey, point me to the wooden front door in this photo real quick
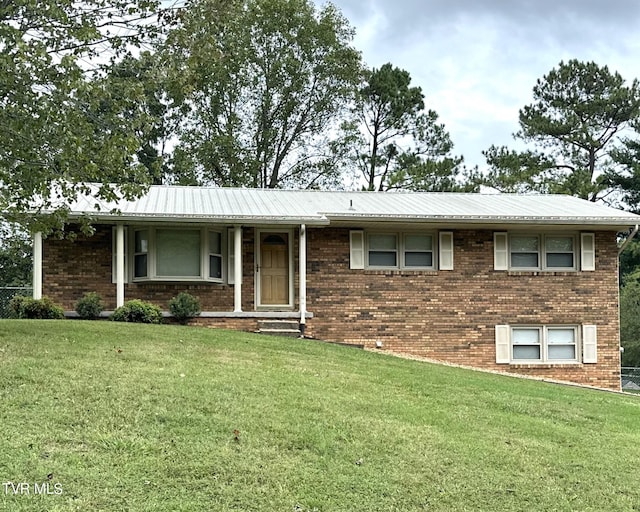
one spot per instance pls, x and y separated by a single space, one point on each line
274 269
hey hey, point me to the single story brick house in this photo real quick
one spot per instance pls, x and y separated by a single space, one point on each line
525 284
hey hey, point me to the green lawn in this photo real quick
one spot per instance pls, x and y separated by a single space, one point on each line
131 417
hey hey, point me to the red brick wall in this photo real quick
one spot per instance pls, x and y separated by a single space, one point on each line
451 315
71 268
444 315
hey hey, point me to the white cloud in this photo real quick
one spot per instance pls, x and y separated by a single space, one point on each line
478 60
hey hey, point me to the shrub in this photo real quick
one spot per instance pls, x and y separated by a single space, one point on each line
44 308
184 306
89 306
138 311
16 306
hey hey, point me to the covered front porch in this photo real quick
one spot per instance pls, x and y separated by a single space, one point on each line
245 273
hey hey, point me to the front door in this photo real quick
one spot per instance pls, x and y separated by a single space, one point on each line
273 269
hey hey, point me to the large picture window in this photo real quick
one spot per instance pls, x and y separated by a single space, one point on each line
177 254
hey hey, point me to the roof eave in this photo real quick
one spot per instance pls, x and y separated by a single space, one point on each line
611 223
201 219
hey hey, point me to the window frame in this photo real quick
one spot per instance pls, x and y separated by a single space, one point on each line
544 344
401 251
152 254
543 252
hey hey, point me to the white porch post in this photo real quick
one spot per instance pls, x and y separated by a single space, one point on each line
237 269
302 275
119 265
37 265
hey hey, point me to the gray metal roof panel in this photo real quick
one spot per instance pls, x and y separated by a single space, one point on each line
171 202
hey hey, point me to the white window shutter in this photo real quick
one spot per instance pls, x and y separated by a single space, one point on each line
503 344
231 256
500 251
587 251
589 344
356 245
113 255
445 249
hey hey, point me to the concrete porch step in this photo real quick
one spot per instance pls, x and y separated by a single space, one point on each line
279 327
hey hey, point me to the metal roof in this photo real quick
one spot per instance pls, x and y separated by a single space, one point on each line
263 206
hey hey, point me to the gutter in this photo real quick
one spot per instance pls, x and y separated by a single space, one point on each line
631 236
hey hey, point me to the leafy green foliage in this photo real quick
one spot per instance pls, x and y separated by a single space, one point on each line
15 256
41 309
184 307
630 320
394 143
89 306
259 83
138 311
576 122
60 127
630 260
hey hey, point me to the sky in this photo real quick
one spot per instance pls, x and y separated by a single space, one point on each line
478 60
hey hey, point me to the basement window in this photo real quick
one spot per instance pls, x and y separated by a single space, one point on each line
544 344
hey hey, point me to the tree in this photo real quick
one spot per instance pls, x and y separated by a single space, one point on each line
135 88
630 321
15 256
50 145
576 125
393 141
628 182
260 90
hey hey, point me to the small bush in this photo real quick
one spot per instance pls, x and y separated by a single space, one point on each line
35 309
89 306
184 306
16 305
138 311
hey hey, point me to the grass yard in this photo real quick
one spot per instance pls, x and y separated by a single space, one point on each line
166 418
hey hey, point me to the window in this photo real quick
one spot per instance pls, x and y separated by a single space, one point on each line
405 250
418 251
409 251
525 251
546 344
140 255
383 251
177 254
215 255
543 344
547 252
559 252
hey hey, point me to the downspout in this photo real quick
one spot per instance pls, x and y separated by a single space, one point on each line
302 276
631 236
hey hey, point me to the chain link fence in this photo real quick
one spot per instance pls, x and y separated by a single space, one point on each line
9 292
630 379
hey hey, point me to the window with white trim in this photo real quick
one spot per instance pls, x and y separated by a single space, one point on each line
400 251
177 254
544 344
550 252
542 252
550 344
